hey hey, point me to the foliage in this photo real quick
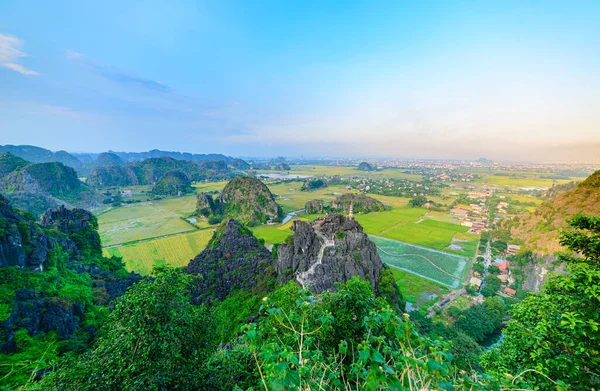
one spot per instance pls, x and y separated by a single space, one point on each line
481 320
418 201
556 331
154 339
305 344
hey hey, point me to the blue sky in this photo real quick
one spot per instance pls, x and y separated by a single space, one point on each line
510 80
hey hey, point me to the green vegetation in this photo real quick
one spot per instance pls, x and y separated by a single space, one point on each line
564 318
273 234
415 289
173 183
245 199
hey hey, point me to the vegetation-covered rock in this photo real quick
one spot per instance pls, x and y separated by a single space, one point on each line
314 207
52 300
112 176
556 331
35 187
313 184
173 183
246 199
107 159
233 260
360 204
364 166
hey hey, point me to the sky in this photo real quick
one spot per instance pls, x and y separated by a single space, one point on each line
505 80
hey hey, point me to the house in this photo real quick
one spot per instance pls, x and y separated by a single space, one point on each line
475 281
513 249
503 278
502 264
509 291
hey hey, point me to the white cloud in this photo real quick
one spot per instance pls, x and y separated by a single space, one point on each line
10 53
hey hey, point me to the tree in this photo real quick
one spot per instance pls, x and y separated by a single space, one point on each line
479 321
556 331
494 269
154 339
478 267
418 201
491 285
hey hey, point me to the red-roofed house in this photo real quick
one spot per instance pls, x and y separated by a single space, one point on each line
509 291
502 264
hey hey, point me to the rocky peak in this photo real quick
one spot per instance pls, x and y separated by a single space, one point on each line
329 250
233 259
314 207
79 224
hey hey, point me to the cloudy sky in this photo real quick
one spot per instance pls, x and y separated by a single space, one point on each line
507 80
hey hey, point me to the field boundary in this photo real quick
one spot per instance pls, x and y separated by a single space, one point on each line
156 237
421 256
422 276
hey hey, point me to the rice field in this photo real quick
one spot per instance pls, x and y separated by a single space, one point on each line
437 266
273 234
175 250
290 198
144 220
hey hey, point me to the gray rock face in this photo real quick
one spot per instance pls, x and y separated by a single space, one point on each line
232 260
329 250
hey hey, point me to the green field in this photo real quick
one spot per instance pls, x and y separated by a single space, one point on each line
420 261
273 234
202 187
415 289
146 220
175 251
291 198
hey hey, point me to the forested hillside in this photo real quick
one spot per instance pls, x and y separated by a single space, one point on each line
540 230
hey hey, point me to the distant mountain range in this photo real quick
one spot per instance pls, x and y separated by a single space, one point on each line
83 163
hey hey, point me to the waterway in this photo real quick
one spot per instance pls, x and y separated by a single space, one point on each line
291 215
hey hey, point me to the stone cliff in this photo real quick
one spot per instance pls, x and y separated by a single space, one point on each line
233 259
329 250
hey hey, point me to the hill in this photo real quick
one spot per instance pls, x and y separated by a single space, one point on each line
55 287
173 183
313 184
107 159
360 204
364 166
112 176
36 187
150 171
330 250
233 260
41 155
10 163
540 230
246 199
